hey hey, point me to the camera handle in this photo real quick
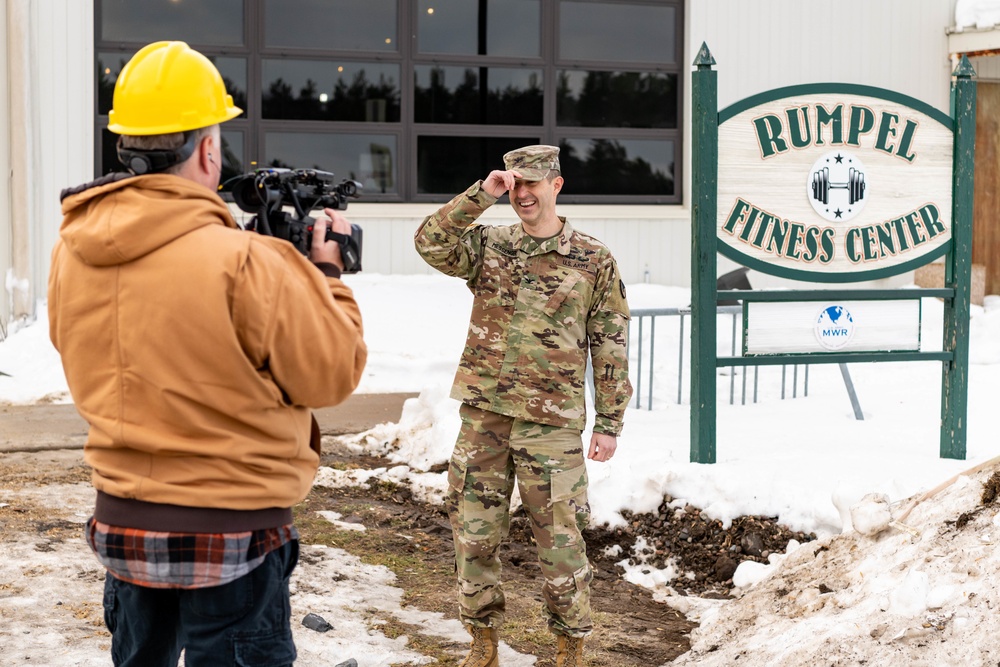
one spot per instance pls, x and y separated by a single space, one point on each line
349 251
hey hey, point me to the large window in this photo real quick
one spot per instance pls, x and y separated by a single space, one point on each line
417 99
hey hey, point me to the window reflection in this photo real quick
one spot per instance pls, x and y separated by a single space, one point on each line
616 99
484 95
480 27
367 158
109 66
617 166
234 75
232 157
605 31
337 25
449 165
202 22
311 75
109 154
327 90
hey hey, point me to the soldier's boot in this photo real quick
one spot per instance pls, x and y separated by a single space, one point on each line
483 651
569 652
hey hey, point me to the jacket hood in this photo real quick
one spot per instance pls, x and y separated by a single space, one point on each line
118 219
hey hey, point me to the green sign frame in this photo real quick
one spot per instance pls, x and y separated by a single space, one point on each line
705 248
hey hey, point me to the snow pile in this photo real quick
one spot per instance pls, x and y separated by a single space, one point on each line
981 14
913 594
423 437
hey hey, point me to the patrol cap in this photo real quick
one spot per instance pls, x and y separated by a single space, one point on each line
532 162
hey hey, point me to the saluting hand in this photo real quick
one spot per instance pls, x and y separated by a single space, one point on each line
499 182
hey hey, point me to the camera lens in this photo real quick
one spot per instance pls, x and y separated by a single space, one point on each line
245 194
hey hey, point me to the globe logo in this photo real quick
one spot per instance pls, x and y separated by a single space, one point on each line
834 327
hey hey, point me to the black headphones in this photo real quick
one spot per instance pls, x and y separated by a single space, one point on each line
141 162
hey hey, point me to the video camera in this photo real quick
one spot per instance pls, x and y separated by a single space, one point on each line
265 192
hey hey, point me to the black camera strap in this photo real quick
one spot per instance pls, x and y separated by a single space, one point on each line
349 251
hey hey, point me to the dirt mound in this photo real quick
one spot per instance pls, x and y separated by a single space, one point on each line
704 550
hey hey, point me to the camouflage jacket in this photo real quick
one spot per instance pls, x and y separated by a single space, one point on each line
537 310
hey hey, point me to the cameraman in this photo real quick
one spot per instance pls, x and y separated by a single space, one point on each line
195 351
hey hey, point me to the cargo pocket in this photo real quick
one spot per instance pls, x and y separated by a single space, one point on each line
494 288
570 509
457 470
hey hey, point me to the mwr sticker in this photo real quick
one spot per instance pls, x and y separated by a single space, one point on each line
834 327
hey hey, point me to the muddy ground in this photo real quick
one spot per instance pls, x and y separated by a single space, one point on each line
414 540
631 628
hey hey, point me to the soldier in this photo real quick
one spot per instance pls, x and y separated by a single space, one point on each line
544 296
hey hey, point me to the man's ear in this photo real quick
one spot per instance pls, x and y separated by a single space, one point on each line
206 152
557 184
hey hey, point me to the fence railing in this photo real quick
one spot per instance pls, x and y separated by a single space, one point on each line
644 319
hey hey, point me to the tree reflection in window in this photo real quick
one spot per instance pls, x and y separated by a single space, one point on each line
360 100
606 168
616 99
484 95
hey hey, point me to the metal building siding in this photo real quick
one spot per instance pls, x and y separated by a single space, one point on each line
5 198
52 58
63 56
763 44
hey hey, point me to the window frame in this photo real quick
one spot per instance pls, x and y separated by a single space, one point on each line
408 132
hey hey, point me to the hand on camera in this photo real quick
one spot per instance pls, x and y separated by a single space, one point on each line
328 251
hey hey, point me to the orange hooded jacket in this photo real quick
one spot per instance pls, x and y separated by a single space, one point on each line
194 349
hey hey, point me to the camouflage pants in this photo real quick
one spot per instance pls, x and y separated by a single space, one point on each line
548 464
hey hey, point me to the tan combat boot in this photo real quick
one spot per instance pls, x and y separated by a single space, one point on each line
570 652
483 652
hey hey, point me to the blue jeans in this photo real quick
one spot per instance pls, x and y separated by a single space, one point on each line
245 623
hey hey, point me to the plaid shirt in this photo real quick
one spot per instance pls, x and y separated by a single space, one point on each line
182 560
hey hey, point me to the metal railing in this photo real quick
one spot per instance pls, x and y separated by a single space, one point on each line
640 316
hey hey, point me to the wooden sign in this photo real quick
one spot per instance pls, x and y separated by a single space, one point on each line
834 183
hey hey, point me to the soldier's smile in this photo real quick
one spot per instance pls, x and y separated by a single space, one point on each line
526 204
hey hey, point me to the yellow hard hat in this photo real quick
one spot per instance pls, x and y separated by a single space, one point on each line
169 87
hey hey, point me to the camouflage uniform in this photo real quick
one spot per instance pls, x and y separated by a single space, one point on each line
538 309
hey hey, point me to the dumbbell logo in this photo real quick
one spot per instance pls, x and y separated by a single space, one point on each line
855 185
836 186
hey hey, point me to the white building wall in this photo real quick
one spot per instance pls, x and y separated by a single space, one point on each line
63 56
6 249
900 45
47 109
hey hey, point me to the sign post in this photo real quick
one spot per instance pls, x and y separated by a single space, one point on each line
831 183
704 168
958 269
